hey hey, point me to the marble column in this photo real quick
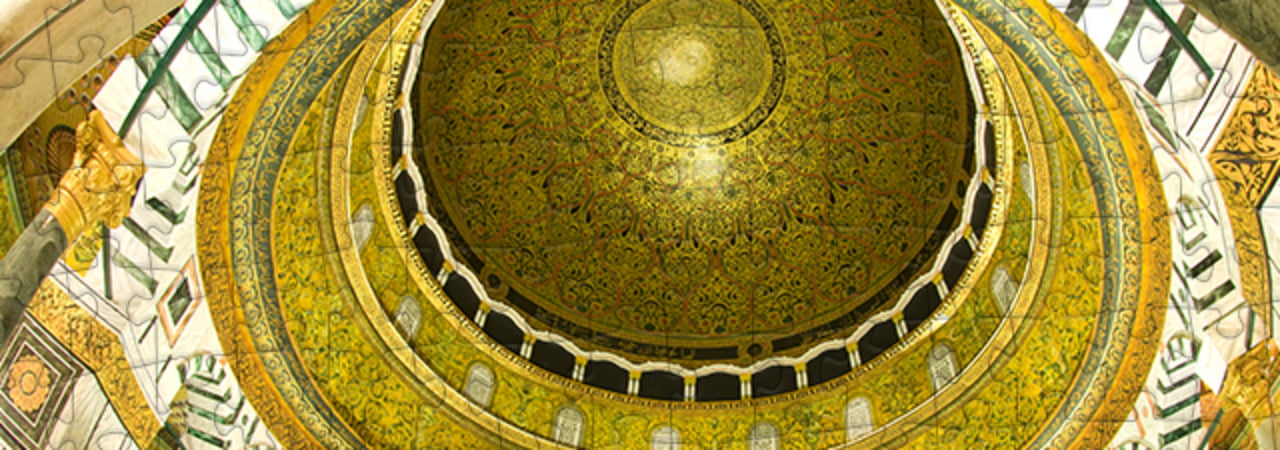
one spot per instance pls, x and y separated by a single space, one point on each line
26 264
1255 23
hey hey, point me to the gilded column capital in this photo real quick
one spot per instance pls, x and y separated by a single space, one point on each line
101 182
1249 380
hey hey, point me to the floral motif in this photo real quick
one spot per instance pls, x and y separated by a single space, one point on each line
28 383
552 177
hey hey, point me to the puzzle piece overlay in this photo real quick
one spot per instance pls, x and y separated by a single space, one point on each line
141 281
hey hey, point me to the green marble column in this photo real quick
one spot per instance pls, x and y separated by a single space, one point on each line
1255 23
26 264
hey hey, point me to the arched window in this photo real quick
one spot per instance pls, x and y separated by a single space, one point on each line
1004 288
1028 180
764 436
362 226
942 366
857 418
666 438
479 386
409 316
569 426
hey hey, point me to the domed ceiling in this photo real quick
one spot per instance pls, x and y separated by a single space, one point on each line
658 223
689 180
699 220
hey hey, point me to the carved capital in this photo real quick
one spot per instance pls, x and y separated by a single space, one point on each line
1249 380
101 182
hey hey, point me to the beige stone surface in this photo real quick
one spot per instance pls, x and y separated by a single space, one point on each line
45 45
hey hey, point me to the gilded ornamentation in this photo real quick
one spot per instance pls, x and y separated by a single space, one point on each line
1244 160
1245 155
100 349
45 150
28 383
662 67
680 200
84 251
36 383
310 312
298 404
101 182
1249 382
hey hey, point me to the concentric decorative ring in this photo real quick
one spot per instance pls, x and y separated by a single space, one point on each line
348 352
653 67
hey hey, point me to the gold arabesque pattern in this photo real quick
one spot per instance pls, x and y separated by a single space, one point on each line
1245 163
732 168
384 394
668 68
100 350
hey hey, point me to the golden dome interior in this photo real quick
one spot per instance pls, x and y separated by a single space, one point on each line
677 177
637 224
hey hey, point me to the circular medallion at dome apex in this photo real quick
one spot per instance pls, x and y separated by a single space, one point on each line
800 228
286 306
667 68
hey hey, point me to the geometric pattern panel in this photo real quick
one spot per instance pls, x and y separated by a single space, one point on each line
36 376
179 302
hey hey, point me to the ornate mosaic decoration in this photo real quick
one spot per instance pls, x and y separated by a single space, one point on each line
663 68
647 224
744 205
397 250
36 375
